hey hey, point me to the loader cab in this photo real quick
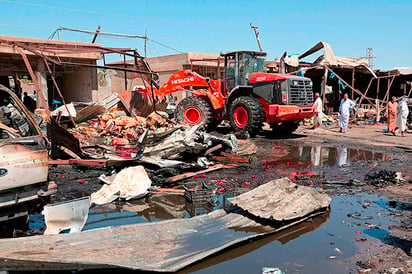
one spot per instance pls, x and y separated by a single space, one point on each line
239 65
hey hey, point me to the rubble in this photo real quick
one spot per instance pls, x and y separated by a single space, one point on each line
116 128
381 177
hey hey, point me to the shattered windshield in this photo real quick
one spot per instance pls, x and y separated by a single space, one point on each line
13 121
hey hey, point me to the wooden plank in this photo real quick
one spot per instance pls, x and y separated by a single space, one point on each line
230 159
59 162
213 149
191 174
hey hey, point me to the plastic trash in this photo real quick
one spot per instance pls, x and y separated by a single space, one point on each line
272 270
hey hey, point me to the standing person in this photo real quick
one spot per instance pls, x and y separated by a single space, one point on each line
346 105
403 113
392 109
317 122
28 102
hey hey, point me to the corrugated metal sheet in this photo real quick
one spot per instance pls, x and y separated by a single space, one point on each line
281 200
161 246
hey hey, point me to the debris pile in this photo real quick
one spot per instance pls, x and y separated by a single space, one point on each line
381 177
115 127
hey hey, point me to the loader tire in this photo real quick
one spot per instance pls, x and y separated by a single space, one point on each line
193 111
246 114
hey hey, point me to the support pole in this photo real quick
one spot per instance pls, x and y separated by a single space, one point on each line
388 90
325 77
367 89
353 81
377 102
125 72
34 79
58 90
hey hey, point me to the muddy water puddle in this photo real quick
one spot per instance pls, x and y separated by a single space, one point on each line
298 157
325 248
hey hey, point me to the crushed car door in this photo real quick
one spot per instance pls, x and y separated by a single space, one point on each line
23 152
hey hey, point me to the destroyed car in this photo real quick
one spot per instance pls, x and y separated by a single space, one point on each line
23 157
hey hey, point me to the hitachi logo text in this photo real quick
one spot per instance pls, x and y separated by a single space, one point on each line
261 78
184 80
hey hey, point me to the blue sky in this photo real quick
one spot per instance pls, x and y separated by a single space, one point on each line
350 26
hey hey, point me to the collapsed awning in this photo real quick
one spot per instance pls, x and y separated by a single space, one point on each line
330 59
403 70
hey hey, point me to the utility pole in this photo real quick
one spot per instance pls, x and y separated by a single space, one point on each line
369 56
145 44
95 34
255 28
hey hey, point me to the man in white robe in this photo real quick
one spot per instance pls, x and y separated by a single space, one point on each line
346 105
319 114
401 118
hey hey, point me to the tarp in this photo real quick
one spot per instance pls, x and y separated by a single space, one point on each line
129 183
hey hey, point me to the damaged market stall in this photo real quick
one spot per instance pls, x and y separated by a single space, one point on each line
53 65
334 75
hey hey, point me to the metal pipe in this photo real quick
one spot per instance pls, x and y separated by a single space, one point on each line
58 90
105 67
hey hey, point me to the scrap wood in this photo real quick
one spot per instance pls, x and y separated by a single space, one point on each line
58 162
191 174
213 149
176 190
168 191
230 159
236 157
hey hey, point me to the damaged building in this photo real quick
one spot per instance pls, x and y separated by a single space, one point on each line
61 70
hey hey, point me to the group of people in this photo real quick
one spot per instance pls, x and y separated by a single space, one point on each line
397 114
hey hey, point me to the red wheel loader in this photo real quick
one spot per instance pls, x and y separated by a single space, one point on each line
247 96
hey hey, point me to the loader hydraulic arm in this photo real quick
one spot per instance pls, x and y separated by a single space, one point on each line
184 79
